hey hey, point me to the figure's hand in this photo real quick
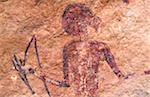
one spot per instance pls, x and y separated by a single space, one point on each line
122 76
129 75
119 74
64 84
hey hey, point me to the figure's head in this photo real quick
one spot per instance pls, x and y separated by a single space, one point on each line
77 17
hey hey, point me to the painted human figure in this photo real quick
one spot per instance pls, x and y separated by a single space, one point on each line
81 57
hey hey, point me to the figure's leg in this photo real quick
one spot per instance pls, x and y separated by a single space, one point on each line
22 73
111 62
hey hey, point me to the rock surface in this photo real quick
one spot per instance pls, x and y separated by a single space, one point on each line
124 27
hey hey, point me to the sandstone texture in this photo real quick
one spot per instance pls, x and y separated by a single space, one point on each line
125 28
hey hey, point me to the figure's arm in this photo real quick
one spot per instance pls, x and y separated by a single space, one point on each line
65 67
111 61
64 83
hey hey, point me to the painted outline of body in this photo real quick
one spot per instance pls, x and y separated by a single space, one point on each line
75 20
76 60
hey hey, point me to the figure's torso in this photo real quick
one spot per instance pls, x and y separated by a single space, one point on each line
83 61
